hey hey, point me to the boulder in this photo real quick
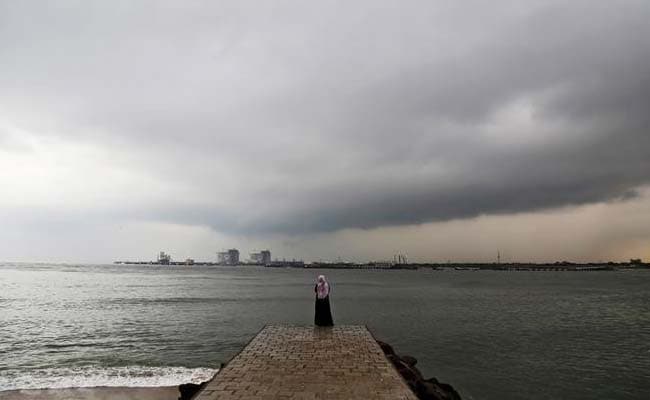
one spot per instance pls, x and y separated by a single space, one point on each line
386 348
431 389
411 361
452 394
410 374
188 390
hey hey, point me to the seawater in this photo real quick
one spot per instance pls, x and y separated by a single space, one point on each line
492 335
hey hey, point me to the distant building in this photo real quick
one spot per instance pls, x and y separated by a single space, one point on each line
266 257
233 256
636 261
262 258
228 257
164 258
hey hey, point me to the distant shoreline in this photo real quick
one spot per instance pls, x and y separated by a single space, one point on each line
557 266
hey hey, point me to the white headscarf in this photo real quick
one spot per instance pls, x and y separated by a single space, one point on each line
323 288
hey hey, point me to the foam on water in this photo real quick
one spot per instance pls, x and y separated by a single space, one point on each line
131 376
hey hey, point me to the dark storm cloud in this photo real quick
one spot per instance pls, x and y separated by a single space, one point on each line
288 118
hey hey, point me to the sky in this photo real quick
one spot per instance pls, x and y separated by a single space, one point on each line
443 130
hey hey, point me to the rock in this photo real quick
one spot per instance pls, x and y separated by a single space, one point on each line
431 389
425 389
188 390
386 348
411 361
451 392
410 374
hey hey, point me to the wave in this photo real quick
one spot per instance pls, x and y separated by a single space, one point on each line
78 377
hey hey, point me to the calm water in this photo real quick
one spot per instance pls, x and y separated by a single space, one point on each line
493 335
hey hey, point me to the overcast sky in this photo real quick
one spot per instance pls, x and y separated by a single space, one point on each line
446 130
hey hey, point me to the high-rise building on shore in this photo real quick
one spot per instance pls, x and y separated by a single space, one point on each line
164 258
263 257
233 256
228 257
266 257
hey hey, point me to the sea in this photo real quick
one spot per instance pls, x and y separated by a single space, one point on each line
490 334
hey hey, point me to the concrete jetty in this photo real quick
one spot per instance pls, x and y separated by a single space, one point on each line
291 362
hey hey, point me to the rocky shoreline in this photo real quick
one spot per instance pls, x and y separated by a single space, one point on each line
188 390
425 389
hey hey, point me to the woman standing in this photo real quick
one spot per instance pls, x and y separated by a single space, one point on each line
323 316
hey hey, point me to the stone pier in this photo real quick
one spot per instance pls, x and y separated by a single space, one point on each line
289 362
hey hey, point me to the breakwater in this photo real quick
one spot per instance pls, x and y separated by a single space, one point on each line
298 362
302 362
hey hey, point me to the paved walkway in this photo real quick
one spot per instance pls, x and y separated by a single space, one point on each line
287 362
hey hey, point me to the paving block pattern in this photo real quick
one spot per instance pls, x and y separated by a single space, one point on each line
290 362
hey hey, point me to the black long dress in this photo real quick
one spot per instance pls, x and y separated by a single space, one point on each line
323 315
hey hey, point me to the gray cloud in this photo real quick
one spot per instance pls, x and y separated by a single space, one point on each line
295 118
